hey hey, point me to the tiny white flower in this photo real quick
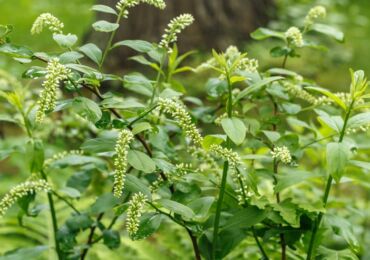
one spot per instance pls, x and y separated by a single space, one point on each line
282 154
294 35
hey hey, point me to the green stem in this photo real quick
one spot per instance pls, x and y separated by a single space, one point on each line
224 173
263 252
109 43
316 225
53 219
157 82
141 116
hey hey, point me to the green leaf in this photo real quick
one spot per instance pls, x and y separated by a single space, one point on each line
70 192
37 156
256 87
138 83
87 108
334 122
328 30
235 129
264 33
15 51
245 218
289 179
99 145
208 140
79 181
177 208
76 160
79 222
135 185
25 253
111 238
359 120
65 41
141 127
201 207
149 223
104 26
70 57
105 202
140 161
288 211
330 95
337 157
104 9
137 45
92 51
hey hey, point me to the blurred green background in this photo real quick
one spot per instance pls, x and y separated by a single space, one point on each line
329 68
352 17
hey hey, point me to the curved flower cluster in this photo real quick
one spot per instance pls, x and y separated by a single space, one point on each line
207 162
61 155
178 111
56 72
175 175
134 213
299 92
282 154
47 20
124 5
315 13
20 191
227 154
232 54
294 35
362 128
120 163
175 26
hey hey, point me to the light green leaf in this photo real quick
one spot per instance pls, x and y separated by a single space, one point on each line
69 57
255 87
92 51
104 9
140 127
87 108
264 33
337 157
140 161
104 26
328 30
359 120
177 208
65 41
137 45
235 129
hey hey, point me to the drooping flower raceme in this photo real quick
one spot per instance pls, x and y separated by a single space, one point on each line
61 155
56 73
294 36
315 13
175 26
120 162
134 213
47 20
20 191
124 5
226 154
282 154
178 111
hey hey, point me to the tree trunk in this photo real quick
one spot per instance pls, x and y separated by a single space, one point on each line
218 23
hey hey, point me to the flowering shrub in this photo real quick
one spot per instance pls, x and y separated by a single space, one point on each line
245 174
